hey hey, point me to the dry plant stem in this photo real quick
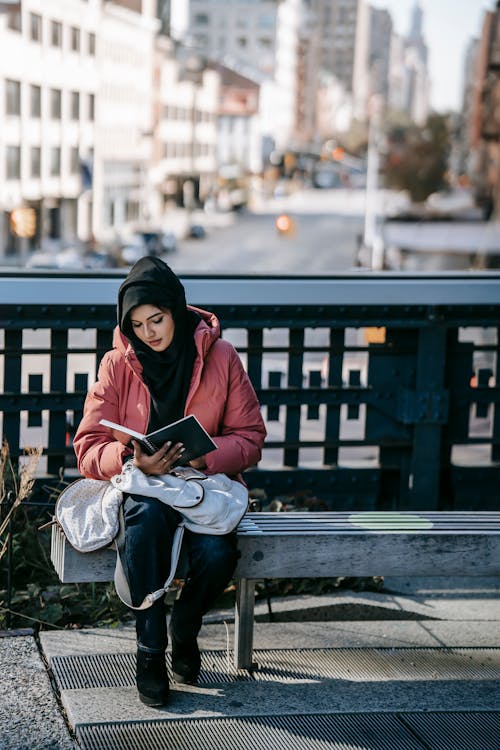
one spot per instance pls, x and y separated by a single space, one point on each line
22 490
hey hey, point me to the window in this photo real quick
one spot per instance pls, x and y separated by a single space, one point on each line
35 101
75 39
91 107
55 161
13 157
75 105
56 34
55 104
241 41
74 160
12 97
36 158
266 21
35 27
201 19
14 19
91 44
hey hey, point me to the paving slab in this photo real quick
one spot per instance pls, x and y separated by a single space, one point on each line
30 717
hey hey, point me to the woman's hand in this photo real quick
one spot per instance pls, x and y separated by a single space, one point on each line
160 462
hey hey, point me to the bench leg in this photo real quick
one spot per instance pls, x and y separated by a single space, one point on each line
243 624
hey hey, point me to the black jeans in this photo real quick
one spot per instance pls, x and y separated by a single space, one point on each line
149 530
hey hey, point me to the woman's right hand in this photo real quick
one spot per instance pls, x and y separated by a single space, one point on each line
160 462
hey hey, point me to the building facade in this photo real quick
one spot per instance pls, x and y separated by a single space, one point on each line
485 115
48 86
258 40
185 129
124 116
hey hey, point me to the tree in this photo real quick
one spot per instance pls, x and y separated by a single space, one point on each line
417 157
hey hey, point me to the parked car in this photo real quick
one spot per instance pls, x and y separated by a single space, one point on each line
156 242
196 231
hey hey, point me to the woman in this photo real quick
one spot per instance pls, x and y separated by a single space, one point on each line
168 360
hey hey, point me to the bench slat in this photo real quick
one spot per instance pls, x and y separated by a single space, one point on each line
328 555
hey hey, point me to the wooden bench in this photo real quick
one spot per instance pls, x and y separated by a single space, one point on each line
328 544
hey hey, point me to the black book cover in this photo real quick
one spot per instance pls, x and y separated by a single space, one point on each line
187 431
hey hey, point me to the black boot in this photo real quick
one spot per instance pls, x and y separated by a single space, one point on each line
152 678
186 663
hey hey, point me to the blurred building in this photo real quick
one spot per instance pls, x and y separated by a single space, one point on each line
48 85
466 156
121 190
485 115
257 40
409 84
184 128
238 144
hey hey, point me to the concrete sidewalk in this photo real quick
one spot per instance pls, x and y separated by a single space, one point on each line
419 648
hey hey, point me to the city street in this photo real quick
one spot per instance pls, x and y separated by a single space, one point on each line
325 241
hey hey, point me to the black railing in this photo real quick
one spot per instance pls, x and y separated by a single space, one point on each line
379 392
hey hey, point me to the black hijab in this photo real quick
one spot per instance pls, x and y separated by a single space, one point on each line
167 374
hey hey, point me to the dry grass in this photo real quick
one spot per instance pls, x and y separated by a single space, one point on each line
19 485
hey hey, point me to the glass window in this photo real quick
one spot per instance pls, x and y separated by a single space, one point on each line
13 156
36 159
75 105
55 104
35 101
14 19
74 160
201 19
55 161
91 44
75 39
266 21
91 106
12 97
56 34
35 27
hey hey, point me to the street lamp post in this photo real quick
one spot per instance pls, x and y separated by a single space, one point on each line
372 239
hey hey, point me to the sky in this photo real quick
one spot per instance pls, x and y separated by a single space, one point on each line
448 27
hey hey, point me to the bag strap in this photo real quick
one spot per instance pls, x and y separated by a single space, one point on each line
121 583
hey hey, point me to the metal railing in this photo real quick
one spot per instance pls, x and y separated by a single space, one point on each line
378 391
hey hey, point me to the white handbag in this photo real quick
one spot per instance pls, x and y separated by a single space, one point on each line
209 504
90 513
87 510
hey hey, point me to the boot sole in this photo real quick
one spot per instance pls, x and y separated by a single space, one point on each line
181 679
153 702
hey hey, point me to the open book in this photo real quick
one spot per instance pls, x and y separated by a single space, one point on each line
187 431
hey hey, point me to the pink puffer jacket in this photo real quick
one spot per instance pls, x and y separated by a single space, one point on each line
220 395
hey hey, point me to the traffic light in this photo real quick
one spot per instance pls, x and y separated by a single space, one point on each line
23 222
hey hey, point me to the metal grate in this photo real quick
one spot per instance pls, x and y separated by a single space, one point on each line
118 670
456 731
374 664
295 732
296 665
377 731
